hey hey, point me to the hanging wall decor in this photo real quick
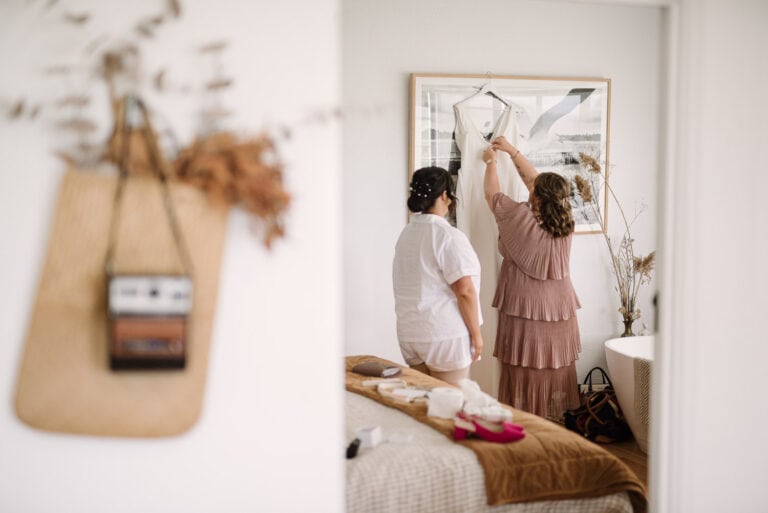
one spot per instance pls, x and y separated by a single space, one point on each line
66 382
555 119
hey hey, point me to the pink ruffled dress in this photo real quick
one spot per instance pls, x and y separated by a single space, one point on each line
537 340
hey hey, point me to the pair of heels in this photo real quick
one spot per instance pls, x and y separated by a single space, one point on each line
498 432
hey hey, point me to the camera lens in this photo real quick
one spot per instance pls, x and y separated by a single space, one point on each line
154 292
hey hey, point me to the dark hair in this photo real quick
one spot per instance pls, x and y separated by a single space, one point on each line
427 184
553 210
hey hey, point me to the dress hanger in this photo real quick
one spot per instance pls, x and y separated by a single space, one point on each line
487 89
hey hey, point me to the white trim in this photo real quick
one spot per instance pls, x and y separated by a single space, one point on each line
663 462
676 362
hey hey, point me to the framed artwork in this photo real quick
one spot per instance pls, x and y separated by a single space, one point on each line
557 118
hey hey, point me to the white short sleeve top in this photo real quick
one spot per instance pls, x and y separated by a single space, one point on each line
430 255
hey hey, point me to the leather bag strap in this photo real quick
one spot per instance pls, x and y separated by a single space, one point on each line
605 378
158 165
595 404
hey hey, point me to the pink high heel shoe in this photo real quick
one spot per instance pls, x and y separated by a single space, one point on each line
501 433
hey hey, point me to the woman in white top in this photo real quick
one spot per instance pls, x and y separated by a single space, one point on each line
436 279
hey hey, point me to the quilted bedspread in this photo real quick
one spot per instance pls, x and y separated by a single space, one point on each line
550 463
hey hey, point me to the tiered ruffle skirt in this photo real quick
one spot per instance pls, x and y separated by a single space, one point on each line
538 364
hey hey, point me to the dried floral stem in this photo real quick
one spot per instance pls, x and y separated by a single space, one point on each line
631 272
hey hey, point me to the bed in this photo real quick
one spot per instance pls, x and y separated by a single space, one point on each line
418 467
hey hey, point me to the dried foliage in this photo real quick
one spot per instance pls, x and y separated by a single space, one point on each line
16 110
76 19
75 100
239 172
159 80
221 83
585 190
213 47
174 7
78 125
631 271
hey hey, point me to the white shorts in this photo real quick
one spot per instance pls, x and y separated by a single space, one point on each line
443 356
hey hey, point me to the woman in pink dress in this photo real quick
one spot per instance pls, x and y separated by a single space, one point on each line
537 340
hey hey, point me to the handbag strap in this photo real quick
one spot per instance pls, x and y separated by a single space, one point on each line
606 379
595 404
158 165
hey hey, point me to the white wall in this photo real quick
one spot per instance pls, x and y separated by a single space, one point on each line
709 430
383 42
272 415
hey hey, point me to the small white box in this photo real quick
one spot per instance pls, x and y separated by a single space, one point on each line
369 436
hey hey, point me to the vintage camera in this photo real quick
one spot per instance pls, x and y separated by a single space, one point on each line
147 317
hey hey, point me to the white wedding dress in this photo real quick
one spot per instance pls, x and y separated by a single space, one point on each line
474 217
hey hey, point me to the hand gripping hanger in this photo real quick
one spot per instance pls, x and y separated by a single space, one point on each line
158 164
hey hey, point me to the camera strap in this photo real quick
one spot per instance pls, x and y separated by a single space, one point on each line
158 165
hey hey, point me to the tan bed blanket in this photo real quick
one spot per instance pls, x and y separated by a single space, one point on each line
549 463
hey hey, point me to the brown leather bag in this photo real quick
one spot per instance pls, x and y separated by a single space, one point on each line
599 417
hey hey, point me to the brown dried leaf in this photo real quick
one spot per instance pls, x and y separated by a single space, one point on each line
159 80
16 110
215 113
145 29
76 19
220 83
112 63
78 124
66 157
644 265
73 101
174 7
589 162
215 46
584 188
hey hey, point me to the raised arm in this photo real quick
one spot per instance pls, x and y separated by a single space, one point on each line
525 169
491 178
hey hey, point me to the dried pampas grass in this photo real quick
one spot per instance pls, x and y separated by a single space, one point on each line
630 271
584 188
643 265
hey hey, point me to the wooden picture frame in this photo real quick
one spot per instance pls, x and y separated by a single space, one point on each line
557 118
